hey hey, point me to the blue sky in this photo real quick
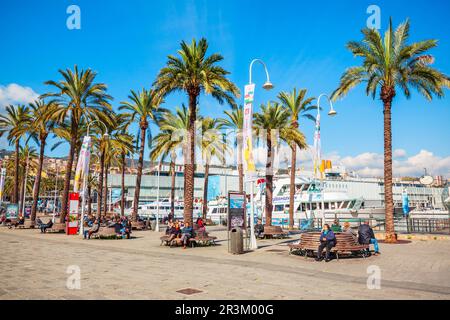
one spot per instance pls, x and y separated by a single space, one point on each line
302 43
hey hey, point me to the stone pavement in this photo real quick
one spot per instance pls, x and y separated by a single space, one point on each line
44 266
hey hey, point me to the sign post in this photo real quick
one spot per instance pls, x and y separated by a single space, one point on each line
236 211
72 221
248 161
12 211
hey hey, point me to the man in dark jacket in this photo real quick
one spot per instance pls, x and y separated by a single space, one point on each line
259 229
366 236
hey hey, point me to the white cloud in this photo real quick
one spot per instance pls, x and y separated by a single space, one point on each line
372 164
14 93
399 153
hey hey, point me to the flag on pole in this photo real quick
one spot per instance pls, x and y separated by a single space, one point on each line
248 161
83 163
317 146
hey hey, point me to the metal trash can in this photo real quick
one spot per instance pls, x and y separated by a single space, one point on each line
236 241
153 225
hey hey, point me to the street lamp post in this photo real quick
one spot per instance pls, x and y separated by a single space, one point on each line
85 175
56 191
267 86
157 200
317 157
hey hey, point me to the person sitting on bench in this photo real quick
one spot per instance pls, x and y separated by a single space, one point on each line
347 229
45 226
125 230
94 229
201 226
186 234
259 229
366 236
336 227
170 225
327 241
174 231
17 223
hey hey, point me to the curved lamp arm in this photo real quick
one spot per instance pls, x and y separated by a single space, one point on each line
268 85
332 112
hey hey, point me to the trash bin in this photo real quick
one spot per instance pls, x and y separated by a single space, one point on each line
153 224
236 241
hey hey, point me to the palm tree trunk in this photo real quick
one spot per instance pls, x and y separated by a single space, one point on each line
37 183
189 162
269 181
240 165
100 184
139 174
105 191
122 200
22 192
16 175
172 187
292 186
387 96
67 177
205 192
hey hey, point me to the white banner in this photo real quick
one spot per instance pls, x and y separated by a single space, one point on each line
247 154
2 182
317 147
83 163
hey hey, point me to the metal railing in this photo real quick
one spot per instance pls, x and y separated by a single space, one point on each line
417 225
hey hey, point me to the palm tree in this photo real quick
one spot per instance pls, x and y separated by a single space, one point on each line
213 146
170 139
193 73
298 106
235 121
101 145
274 119
78 98
39 130
122 146
390 64
14 122
143 105
27 159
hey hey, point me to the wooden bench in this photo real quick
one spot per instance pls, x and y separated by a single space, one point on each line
310 241
57 228
203 239
25 225
173 242
138 225
104 233
274 232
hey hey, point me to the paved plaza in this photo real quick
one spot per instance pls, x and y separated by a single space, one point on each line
45 266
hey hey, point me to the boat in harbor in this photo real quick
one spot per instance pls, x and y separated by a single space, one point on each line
343 197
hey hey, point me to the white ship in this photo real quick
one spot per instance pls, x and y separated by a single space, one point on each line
151 209
343 198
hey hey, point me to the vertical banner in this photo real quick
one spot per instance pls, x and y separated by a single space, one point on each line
72 219
2 182
83 163
248 160
317 147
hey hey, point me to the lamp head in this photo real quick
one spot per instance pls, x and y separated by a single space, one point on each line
268 85
106 136
332 113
